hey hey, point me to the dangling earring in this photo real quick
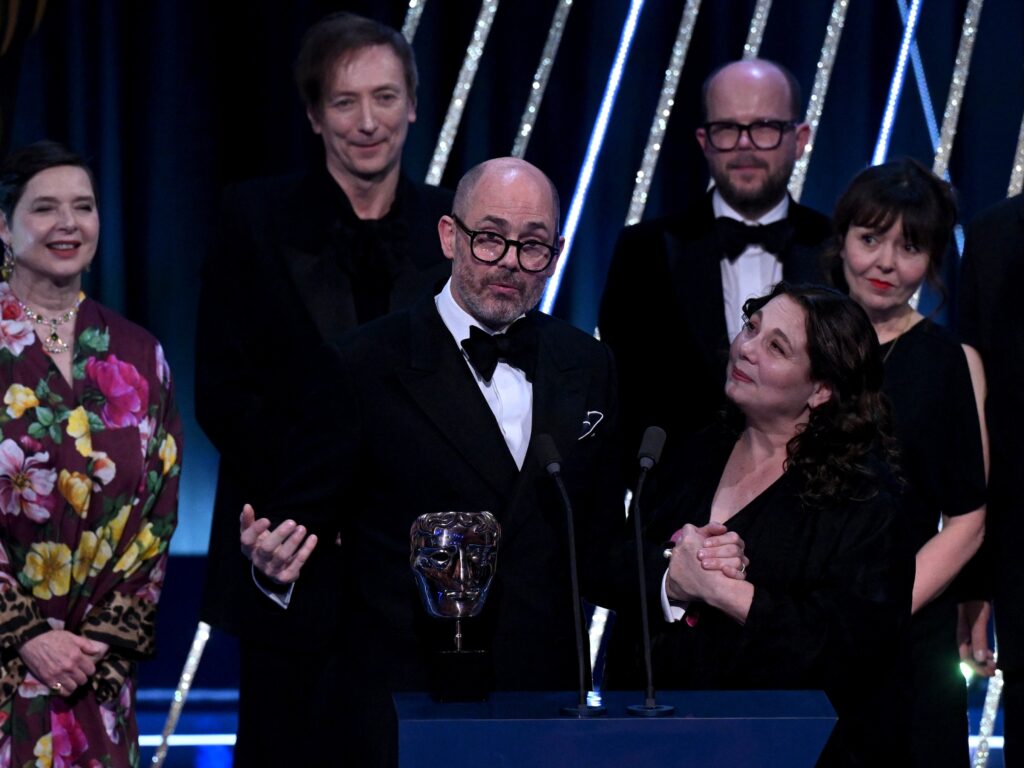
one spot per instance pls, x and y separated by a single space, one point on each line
7 268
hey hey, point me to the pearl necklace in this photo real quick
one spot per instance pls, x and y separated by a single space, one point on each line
53 343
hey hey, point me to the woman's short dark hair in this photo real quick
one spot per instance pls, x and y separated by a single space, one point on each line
900 189
20 166
334 38
832 451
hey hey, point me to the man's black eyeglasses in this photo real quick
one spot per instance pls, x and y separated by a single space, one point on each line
490 248
763 134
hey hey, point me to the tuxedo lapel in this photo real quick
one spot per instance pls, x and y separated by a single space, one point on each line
442 386
801 261
317 271
324 289
694 260
560 386
326 292
559 395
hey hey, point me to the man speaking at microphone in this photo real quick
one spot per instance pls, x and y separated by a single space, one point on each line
437 408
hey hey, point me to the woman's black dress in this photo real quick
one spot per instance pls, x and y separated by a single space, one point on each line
831 599
935 420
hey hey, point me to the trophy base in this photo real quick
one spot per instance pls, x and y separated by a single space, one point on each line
460 676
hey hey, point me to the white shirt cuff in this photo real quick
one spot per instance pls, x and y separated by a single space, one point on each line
281 598
673 610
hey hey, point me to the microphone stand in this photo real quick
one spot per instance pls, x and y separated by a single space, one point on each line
552 464
650 451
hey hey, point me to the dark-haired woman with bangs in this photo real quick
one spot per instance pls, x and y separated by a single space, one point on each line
790 566
89 469
893 227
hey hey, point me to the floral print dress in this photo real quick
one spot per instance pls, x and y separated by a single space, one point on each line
88 502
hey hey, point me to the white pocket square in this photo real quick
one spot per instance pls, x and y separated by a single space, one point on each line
590 422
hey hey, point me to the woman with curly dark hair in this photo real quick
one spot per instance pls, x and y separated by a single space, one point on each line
790 566
893 226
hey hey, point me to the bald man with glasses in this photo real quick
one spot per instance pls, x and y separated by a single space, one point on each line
676 284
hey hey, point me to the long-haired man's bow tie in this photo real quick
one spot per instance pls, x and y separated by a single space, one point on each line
517 347
735 236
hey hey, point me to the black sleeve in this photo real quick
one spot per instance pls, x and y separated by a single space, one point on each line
837 629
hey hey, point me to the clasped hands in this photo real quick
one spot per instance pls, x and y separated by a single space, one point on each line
278 553
701 558
62 660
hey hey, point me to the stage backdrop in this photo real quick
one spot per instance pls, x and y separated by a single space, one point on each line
170 100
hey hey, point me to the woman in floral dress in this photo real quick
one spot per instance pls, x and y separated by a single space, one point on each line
89 465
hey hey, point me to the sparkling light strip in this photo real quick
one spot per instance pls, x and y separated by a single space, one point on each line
986 740
922 84
597 135
756 33
540 77
816 105
188 673
662 113
1017 172
933 129
461 93
896 87
955 99
412 19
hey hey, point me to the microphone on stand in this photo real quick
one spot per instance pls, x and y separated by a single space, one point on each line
650 452
551 462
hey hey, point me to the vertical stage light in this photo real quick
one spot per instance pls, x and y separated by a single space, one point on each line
816 104
662 113
758 21
896 87
540 78
597 135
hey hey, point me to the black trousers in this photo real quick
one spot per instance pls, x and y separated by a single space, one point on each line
288 708
939 729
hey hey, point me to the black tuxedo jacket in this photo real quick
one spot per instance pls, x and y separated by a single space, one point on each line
663 315
405 430
274 290
989 320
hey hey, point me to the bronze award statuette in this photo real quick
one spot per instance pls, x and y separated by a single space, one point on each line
454 557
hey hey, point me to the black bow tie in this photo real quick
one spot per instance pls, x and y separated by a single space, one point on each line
517 347
735 236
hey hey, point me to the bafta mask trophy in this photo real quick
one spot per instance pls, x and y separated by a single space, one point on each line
453 555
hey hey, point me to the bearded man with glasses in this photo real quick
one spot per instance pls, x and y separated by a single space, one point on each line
438 408
676 285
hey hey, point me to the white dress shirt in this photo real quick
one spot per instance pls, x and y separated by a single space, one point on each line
754 272
509 394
